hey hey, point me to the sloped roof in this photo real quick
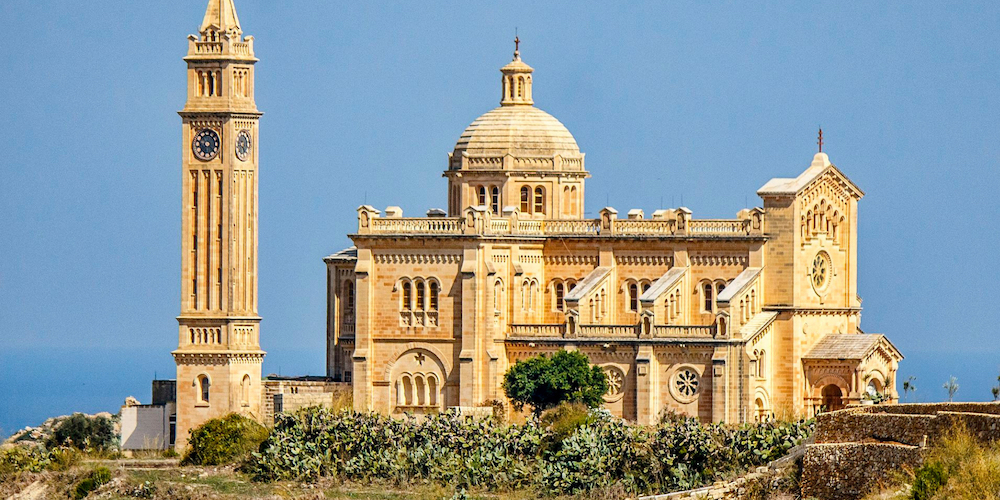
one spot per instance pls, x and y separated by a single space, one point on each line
592 280
820 165
738 284
349 253
849 346
663 284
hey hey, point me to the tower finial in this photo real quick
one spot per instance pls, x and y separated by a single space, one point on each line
820 141
517 45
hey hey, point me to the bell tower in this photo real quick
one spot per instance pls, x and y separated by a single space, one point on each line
218 352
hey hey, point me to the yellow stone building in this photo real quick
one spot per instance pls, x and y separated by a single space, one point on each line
727 320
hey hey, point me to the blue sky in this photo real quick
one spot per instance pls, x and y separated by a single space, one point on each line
363 100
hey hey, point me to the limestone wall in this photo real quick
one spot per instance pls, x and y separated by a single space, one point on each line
860 447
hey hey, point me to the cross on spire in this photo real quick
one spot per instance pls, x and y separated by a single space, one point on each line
517 46
820 141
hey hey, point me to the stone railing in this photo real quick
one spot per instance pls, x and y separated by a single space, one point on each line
683 331
584 226
602 331
480 222
719 226
418 225
640 227
609 331
208 48
554 330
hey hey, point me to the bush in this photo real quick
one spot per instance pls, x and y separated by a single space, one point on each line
960 467
543 382
97 478
18 459
84 433
225 440
577 451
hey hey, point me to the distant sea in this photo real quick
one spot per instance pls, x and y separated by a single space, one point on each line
43 382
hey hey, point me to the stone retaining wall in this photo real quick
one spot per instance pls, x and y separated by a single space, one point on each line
858 448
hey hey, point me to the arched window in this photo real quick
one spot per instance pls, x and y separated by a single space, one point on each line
348 298
593 312
495 199
434 296
497 291
203 386
482 196
245 390
633 297
211 83
532 294
407 295
645 286
560 294
539 200
707 296
753 301
520 86
525 200
421 295
761 364
432 389
604 304
407 399
421 389
524 296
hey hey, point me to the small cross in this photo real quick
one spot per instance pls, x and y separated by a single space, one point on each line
820 142
420 358
517 44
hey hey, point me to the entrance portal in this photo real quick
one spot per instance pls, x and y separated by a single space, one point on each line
833 398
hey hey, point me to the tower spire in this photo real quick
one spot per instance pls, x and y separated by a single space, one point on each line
220 16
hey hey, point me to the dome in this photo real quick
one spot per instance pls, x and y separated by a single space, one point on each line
521 131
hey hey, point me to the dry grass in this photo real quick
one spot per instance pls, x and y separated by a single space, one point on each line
960 467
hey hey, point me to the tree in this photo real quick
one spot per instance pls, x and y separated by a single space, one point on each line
543 382
996 391
83 433
908 386
952 387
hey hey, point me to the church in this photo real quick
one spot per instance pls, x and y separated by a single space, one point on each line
726 320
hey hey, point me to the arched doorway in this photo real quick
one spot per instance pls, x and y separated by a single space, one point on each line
833 398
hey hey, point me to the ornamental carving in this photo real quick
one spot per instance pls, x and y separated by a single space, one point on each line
720 260
590 260
417 258
616 383
644 260
685 384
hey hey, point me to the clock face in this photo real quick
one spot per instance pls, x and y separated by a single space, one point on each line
243 145
206 144
820 272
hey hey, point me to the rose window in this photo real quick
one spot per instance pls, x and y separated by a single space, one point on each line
820 271
616 383
686 383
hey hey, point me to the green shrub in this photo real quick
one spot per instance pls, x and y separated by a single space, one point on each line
575 451
225 440
16 459
928 480
97 478
84 433
543 382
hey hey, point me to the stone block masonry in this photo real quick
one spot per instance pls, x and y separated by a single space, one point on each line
857 449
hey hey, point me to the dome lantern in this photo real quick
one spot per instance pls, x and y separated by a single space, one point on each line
516 80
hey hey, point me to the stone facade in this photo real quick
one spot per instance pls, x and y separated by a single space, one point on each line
728 320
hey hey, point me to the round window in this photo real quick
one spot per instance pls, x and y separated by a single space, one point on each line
616 383
821 271
685 385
